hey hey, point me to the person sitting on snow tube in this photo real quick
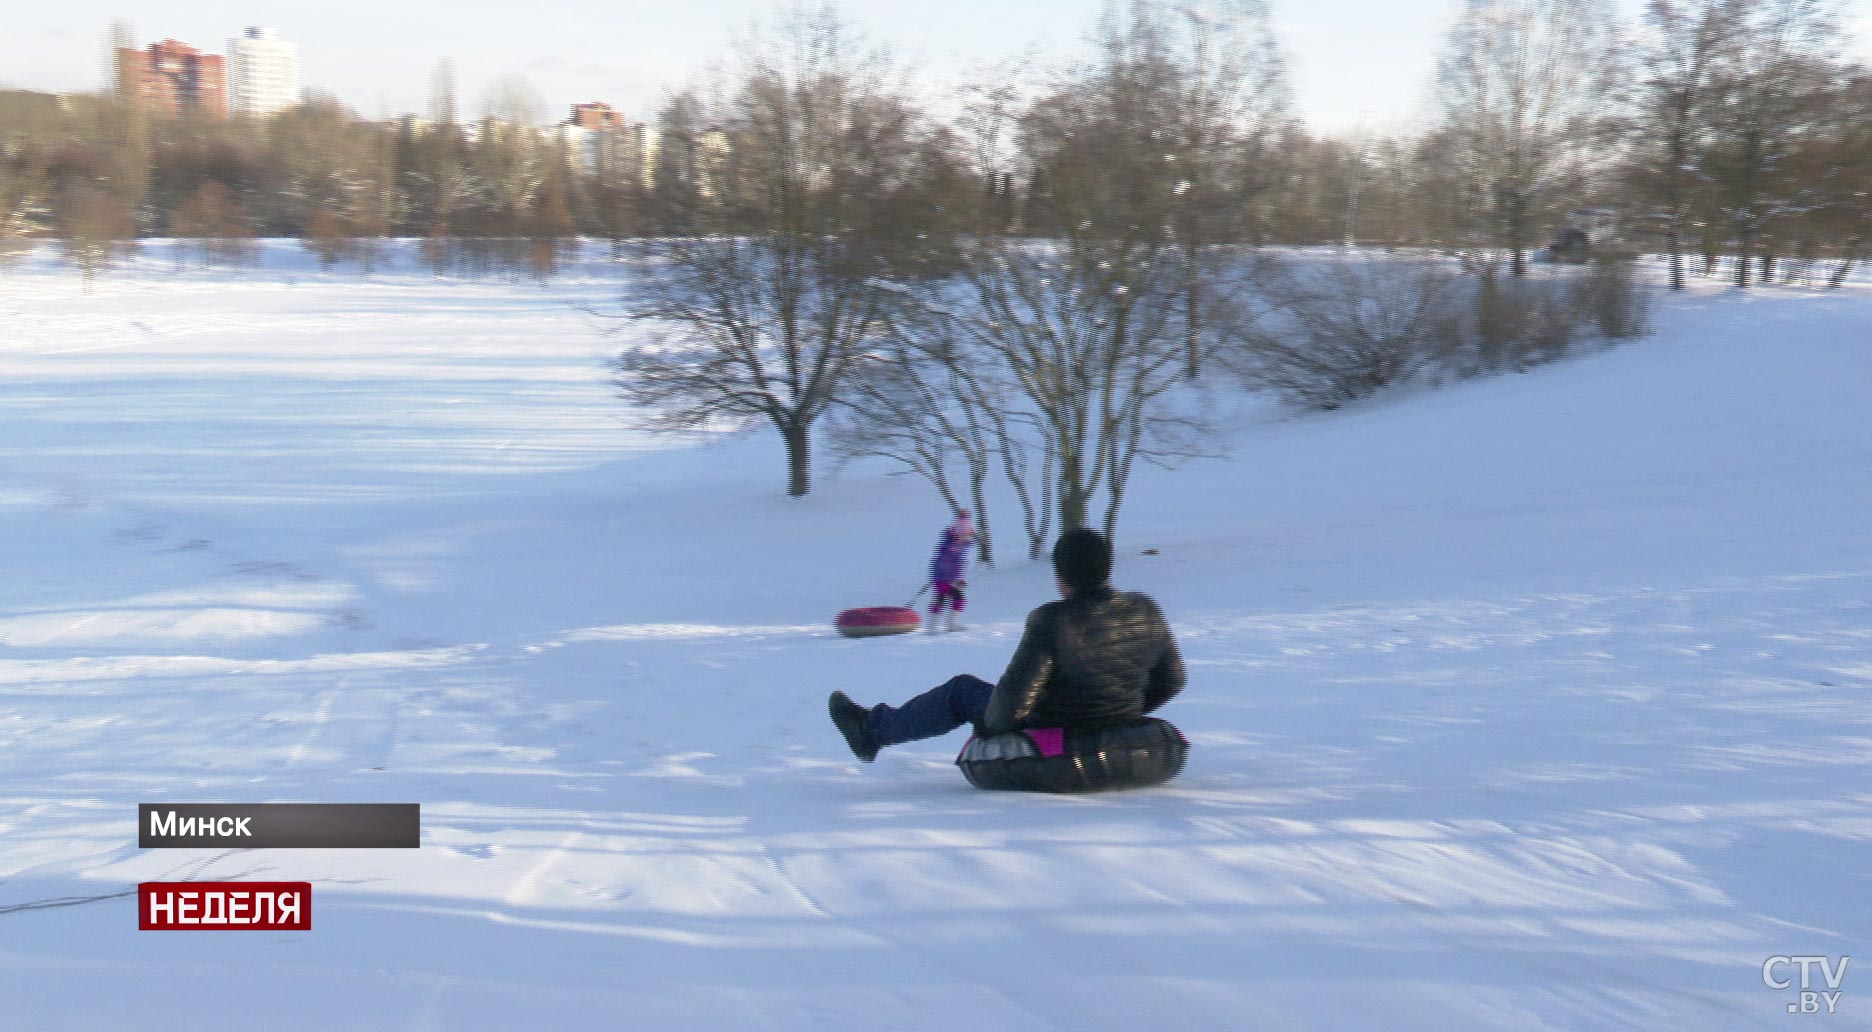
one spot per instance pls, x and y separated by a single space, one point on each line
1091 664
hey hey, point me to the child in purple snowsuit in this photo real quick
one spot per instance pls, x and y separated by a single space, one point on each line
946 568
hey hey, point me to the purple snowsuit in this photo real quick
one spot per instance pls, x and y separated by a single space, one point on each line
947 565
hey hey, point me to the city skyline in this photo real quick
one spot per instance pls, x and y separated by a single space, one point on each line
1351 62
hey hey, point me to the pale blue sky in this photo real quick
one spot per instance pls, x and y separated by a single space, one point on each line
1349 58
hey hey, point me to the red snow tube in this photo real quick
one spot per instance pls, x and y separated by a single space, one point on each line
875 620
1136 754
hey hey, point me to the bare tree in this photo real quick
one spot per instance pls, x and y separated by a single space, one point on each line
1092 334
1127 291
438 178
549 222
930 399
509 165
897 406
1524 87
327 236
1231 112
214 219
682 164
924 397
1054 354
1849 153
23 201
98 230
807 179
1772 89
374 207
123 124
1675 111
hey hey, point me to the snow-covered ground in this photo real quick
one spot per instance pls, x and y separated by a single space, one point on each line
1541 702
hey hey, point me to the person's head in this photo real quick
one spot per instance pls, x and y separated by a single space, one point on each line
1082 561
962 529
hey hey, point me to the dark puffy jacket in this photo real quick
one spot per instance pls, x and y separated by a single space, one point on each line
1097 657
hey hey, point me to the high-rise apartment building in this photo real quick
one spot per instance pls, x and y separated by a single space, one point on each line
174 77
601 141
263 72
595 115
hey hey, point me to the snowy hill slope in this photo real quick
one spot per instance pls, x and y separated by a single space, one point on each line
1542 702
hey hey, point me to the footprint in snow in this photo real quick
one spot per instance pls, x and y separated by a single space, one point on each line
141 532
349 620
261 568
481 852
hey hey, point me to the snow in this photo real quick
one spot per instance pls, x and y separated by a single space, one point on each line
1538 702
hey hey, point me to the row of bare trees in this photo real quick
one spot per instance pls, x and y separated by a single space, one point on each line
1004 305
1731 125
1006 302
487 192
1728 130
1749 133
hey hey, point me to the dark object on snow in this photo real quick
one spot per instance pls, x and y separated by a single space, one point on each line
873 621
849 717
1571 245
1134 754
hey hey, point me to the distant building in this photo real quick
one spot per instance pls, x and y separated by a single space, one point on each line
497 129
699 162
599 141
595 116
263 73
175 78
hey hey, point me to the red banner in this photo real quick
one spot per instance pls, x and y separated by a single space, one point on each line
225 906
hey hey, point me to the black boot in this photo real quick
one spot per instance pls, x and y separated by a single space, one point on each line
850 718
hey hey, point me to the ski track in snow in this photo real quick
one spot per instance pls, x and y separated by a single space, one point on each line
1495 727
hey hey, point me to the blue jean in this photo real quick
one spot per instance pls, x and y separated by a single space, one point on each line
960 700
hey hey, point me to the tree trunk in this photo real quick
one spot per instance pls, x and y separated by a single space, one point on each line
798 455
1676 261
1846 264
1745 247
1074 500
1517 223
1073 510
984 530
1192 359
978 476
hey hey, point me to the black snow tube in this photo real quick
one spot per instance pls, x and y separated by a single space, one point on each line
1137 754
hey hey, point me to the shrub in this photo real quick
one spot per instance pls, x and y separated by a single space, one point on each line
1352 328
1613 299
